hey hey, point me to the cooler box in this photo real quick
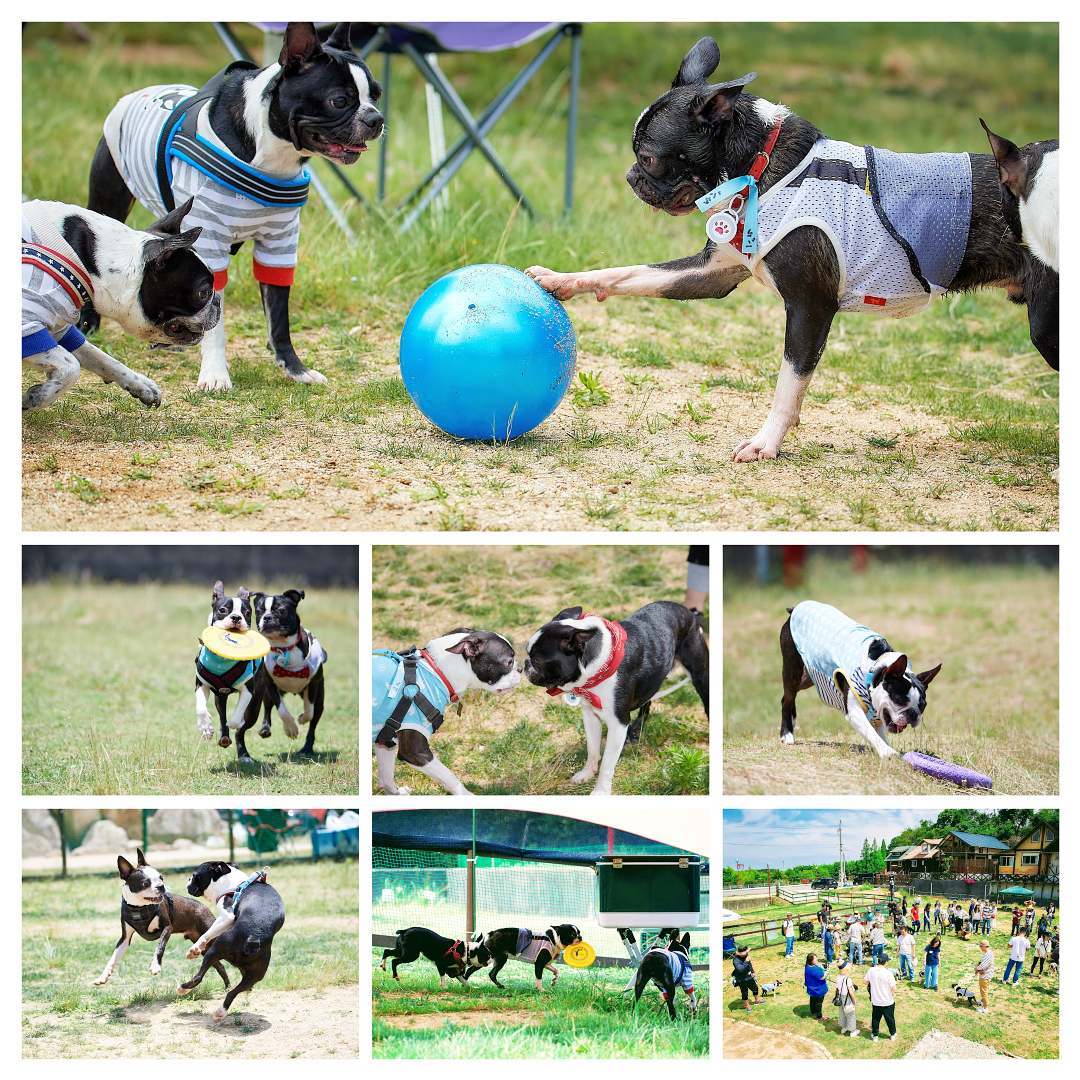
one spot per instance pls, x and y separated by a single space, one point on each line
649 890
335 843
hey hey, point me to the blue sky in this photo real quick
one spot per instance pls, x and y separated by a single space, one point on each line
781 838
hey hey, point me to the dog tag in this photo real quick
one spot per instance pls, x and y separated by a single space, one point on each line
572 698
722 227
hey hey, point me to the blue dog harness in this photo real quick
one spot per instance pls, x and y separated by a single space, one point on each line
681 972
407 691
231 901
222 675
830 643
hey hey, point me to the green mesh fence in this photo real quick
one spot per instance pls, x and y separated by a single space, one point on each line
425 888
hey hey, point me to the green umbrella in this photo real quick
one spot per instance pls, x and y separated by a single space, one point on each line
1017 890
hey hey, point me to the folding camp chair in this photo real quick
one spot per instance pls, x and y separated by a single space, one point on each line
421 43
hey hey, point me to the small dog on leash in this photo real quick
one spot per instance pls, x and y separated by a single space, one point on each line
457 958
148 909
966 996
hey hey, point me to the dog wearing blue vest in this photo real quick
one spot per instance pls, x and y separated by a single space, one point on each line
855 671
239 147
411 691
222 677
668 966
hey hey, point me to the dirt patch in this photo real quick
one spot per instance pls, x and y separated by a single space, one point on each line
748 1041
321 1023
467 1017
941 1046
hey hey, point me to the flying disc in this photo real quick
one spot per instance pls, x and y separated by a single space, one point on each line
233 645
949 771
580 956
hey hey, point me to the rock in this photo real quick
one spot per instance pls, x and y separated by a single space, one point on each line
40 833
106 836
168 825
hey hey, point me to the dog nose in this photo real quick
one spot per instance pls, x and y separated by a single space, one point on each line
374 120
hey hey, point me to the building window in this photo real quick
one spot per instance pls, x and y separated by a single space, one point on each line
1029 860
1006 862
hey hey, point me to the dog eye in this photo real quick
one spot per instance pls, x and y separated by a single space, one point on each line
339 102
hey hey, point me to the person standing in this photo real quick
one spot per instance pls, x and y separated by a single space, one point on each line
930 967
1018 947
828 941
1016 921
984 972
789 937
939 918
816 986
877 941
905 946
882 986
742 974
1042 950
855 937
844 999
926 916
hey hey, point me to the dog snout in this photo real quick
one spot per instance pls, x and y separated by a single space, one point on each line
372 120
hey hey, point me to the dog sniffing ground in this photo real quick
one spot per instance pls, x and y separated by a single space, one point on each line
523 741
984 624
944 421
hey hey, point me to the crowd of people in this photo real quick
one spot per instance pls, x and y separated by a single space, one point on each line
860 937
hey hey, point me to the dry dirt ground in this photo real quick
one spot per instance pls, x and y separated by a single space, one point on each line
655 456
464 1018
941 1046
748 1041
322 1023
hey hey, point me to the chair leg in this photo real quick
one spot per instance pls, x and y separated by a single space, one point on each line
572 114
384 142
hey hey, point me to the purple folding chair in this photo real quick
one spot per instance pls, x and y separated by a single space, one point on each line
421 41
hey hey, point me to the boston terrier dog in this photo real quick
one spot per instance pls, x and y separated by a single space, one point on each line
222 677
669 967
965 996
148 909
838 227
294 665
250 912
540 950
151 282
410 693
239 147
855 671
457 959
613 669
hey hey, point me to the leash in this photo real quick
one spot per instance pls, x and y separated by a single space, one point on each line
618 648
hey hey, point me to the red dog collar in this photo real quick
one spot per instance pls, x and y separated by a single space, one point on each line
618 647
435 667
761 160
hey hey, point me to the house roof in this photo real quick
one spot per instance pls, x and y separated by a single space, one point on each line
978 840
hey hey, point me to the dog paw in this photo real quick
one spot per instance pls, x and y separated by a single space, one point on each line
582 777
561 286
264 733
181 990
245 759
291 730
401 791
101 980
762 447
787 739
219 1014
307 375
225 742
211 381
604 789
143 389
206 729
155 968
194 952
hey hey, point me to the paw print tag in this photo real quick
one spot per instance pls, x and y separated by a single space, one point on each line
722 227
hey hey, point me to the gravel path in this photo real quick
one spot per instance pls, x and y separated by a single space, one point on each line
939 1046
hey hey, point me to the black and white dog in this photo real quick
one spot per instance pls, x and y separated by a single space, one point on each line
250 912
669 967
294 665
840 227
966 996
456 958
151 282
445 669
613 669
239 147
855 671
148 909
540 950
221 679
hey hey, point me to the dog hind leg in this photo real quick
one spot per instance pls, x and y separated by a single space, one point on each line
693 654
794 678
314 698
159 952
61 374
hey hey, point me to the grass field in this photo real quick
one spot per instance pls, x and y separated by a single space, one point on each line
984 624
1023 1019
306 1006
419 593
120 719
586 1016
945 421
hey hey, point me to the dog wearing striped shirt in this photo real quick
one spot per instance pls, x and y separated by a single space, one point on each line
239 147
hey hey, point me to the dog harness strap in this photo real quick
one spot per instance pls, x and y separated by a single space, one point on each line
618 648
226 681
416 697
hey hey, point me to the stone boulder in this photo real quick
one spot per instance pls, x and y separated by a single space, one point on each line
167 826
105 836
40 834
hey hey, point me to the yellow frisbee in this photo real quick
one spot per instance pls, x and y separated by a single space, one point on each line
233 645
580 955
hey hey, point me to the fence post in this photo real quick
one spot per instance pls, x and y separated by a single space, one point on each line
470 884
232 842
59 815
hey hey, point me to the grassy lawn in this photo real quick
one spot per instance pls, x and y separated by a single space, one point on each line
419 593
1023 1019
983 623
69 929
121 720
587 1015
946 421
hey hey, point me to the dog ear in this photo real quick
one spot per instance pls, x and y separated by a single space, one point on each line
219 592
295 595
141 857
301 46
699 63
124 867
242 593
714 105
468 647
159 251
170 224
1010 162
578 641
686 940
926 677
568 613
898 668
341 37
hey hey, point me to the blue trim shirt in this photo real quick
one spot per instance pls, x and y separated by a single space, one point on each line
388 687
49 314
682 973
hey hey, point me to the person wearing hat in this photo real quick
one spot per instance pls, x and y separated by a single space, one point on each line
742 975
844 1000
984 970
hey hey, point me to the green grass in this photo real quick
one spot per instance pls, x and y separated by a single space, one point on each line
419 593
923 417
108 698
586 1016
69 930
982 623
1023 1019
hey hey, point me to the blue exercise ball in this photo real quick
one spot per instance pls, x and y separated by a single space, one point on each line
486 353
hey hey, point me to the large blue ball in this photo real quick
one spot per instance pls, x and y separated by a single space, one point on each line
486 353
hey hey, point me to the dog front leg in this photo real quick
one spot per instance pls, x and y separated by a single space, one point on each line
61 374
616 737
214 370
288 721
276 305
385 759
126 934
218 927
159 952
857 719
593 735
442 775
202 713
109 370
239 714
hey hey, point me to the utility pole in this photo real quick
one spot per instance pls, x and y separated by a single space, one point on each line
842 876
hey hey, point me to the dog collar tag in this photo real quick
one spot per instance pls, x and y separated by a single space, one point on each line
571 698
721 227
